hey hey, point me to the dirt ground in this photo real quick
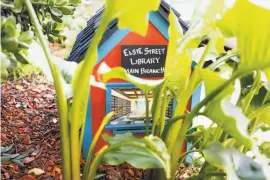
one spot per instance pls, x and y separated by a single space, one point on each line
29 119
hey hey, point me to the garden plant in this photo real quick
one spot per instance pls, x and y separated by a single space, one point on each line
226 142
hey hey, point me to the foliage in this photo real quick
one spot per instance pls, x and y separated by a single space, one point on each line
15 158
17 31
236 165
234 125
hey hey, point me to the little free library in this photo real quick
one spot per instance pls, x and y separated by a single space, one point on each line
143 57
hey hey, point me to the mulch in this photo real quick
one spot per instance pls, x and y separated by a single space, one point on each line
29 122
29 118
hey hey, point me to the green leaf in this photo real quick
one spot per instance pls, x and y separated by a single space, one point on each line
75 2
10 27
265 148
62 3
55 33
3 21
21 57
262 113
265 128
66 10
17 6
131 14
10 43
6 149
249 23
145 153
5 62
227 116
51 2
56 12
8 157
178 63
50 38
18 162
56 18
4 74
235 164
120 73
26 37
267 74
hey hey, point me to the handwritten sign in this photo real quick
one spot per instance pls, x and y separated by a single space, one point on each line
144 60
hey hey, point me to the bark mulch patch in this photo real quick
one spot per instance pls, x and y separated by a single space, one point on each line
29 121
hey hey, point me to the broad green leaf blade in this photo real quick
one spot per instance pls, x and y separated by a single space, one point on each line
17 6
120 73
249 23
265 149
235 164
267 74
26 37
148 152
178 62
228 116
131 14
10 27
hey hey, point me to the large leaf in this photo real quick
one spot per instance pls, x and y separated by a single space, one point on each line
267 74
235 164
178 63
121 73
132 14
249 23
147 152
220 110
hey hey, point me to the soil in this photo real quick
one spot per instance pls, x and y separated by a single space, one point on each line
29 122
29 118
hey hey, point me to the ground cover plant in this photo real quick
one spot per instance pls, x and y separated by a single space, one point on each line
17 32
224 144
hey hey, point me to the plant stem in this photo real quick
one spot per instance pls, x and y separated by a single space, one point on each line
191 151
203 175
61 99
207 50
218 133
80 94
260 110
217 63
93 144
193 145
255 88
147 113
170 122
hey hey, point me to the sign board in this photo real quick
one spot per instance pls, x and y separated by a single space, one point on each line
144 60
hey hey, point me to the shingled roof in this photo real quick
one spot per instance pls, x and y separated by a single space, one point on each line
84 38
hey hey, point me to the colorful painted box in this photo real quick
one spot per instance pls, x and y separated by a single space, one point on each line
140 56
